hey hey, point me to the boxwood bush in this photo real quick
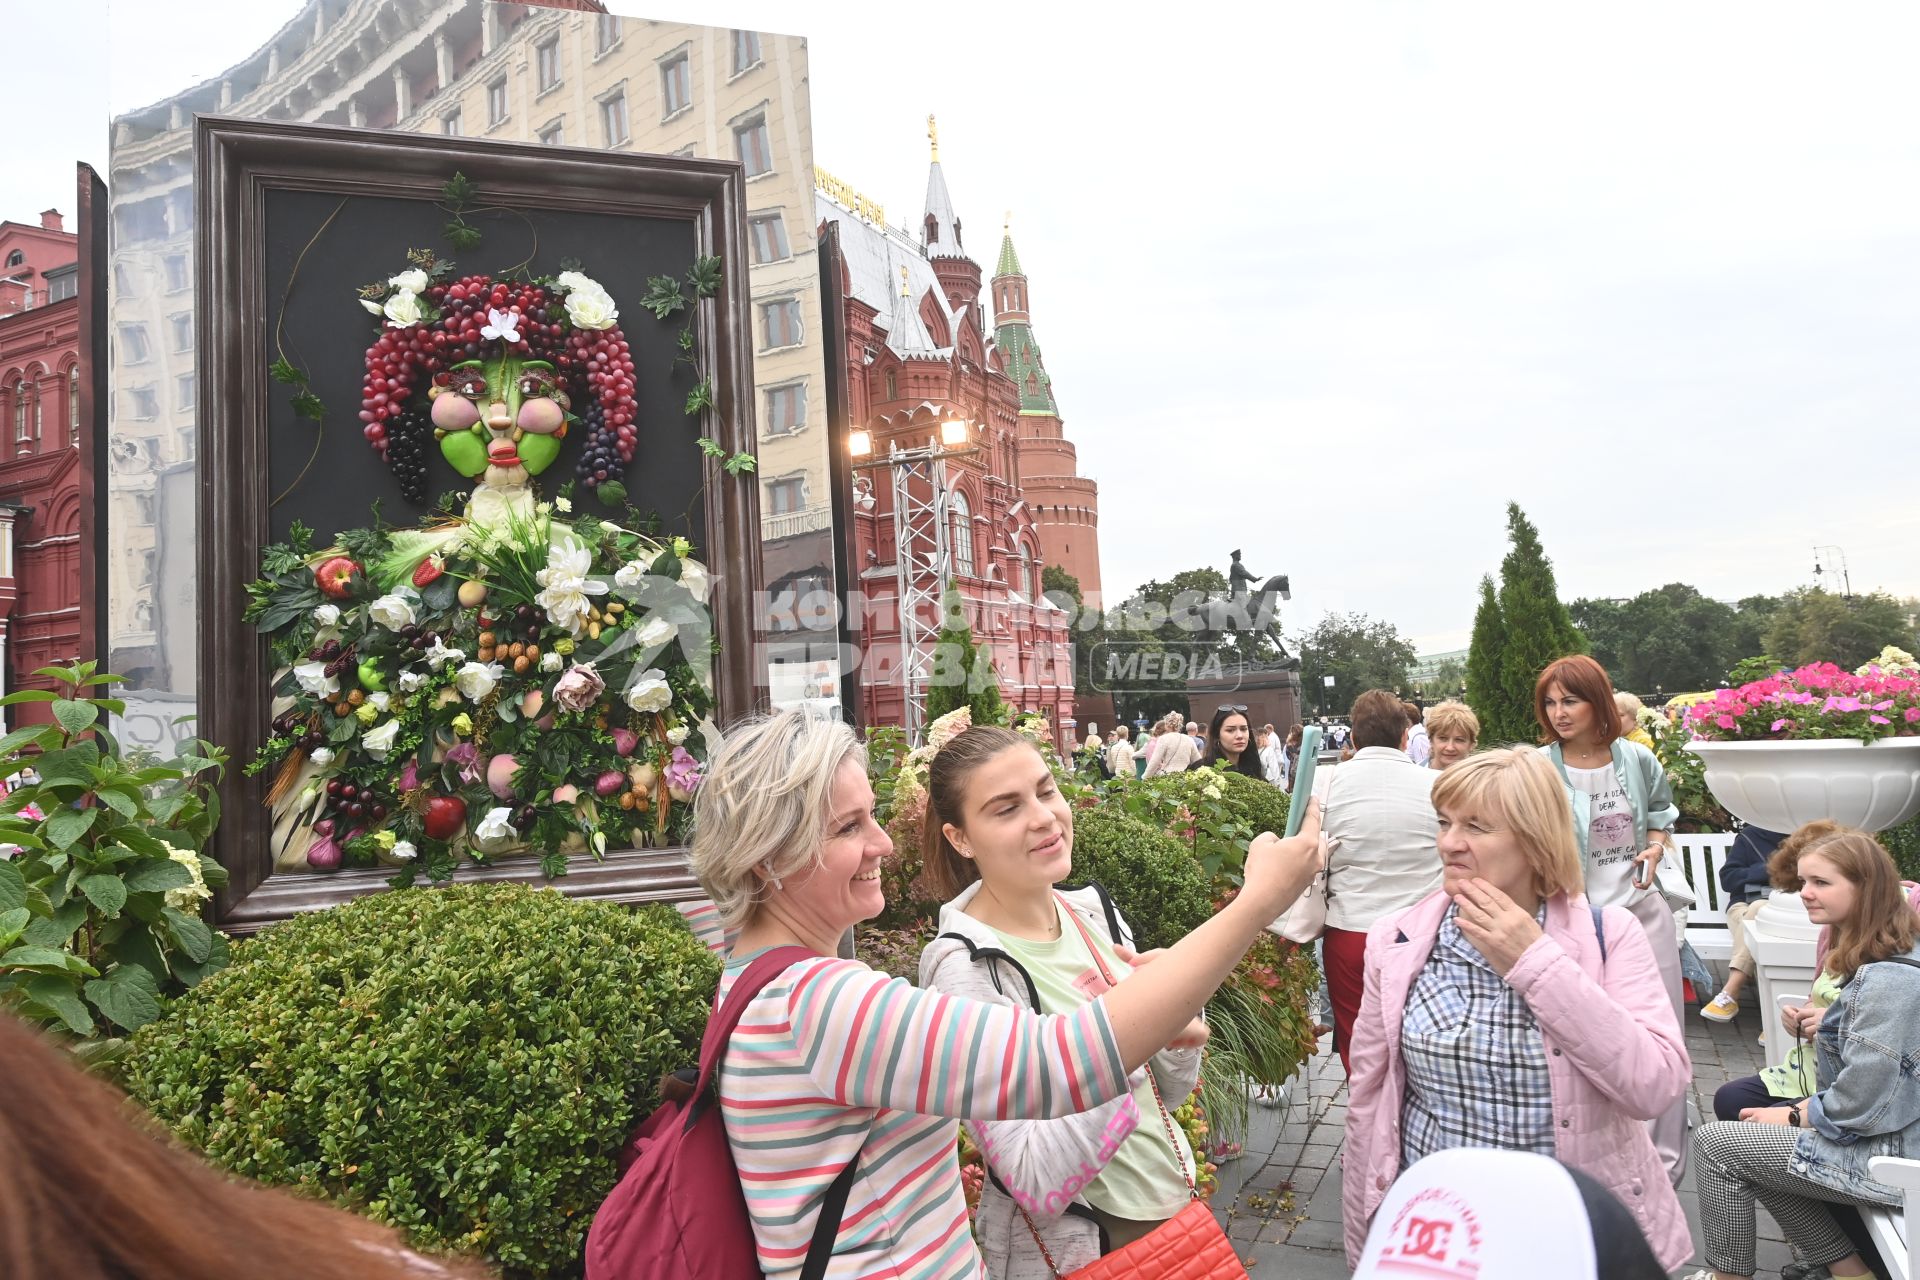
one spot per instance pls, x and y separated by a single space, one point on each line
1153 878
463 1063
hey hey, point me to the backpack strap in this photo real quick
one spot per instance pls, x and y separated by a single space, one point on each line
1906 960
1599 930
726 1017
713 1048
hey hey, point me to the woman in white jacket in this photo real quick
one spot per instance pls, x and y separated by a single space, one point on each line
1060 1192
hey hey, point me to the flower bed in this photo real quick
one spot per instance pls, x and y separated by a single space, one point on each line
1880 700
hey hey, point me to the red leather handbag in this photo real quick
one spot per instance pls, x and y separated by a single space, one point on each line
1188 1246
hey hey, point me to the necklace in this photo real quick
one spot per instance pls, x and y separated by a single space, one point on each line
1596 755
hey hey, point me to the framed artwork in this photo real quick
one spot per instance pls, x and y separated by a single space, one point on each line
363 297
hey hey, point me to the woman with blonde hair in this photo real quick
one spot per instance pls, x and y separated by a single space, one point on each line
1454 731
1505 1011
842 1079
1800 1158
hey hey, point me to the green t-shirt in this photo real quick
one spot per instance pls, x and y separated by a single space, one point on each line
1793 1076
1141 1182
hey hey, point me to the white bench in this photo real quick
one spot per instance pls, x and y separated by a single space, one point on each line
1889 1226
1701 855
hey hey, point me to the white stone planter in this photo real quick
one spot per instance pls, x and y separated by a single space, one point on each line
1779 786
1783 941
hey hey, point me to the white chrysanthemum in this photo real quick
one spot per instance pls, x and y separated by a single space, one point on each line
566 588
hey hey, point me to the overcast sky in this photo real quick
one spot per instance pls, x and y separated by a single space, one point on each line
1332 283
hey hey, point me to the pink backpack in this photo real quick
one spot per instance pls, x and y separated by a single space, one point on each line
678 1209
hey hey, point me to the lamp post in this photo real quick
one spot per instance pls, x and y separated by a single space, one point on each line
1846 580
922 554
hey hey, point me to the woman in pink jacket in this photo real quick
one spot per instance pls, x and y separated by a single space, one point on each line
1505 1012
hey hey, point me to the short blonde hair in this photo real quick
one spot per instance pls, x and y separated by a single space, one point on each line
1519 788
1630 708
761 811
1453 716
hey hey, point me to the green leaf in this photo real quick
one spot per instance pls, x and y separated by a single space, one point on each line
611 492
31 735
13 886
29 695
663 296
68 825
157 875
143 843
107 892
283 370
742 462
461 236
457 190
191 933
441 594
64 675
70 767
58 994
701 397
125 802
138 946
128 996
12 924
308 405
193 973
711 447
54 930
704 276
212 872
43 960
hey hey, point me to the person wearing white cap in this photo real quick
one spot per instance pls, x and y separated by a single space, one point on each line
1504 1011
1503 1215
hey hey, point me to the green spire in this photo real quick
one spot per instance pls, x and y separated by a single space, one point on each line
1009 260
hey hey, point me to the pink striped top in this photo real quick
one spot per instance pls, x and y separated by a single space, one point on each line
834 1061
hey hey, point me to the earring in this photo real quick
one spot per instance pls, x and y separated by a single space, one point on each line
776 882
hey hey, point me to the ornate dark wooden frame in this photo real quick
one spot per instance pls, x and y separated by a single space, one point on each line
236 162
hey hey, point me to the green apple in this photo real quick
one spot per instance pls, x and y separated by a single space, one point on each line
465 450
370 677
537 452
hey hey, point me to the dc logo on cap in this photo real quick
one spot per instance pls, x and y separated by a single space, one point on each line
1434 1235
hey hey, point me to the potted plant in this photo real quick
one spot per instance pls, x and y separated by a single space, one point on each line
1817 742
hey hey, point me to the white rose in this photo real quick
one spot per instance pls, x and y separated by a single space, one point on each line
628 576
372 306
313 679
379 701
414 281
411 681
650 691
476 679
676 735
403 851
378 741
495 825
551 661
591 308
327 615
404 309
693 576
392 612
321 757
656 631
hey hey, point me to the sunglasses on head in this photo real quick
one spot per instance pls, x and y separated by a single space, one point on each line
1231 706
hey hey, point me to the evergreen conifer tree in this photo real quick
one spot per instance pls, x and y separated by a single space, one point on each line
963 674
1483 667
1536 626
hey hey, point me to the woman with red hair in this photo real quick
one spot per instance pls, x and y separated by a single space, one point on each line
1623 816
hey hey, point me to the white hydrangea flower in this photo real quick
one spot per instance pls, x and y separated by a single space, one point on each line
187 897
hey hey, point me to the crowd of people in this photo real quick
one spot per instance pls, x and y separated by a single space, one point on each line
1502 972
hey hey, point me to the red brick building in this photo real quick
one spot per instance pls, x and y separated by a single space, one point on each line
919 352
41 372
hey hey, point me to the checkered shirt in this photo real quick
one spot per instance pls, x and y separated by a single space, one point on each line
1476 1065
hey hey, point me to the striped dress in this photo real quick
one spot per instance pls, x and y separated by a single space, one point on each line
833 1061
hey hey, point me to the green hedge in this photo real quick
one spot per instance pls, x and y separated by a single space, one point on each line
1152 877
463 1063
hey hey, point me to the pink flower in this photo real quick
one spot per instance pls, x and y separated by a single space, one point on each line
580 688
683 771
410 776
466 757
1878 720
1842 704
1912 715
1778 725
1725 722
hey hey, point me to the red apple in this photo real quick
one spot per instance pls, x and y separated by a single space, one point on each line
335 576
445 816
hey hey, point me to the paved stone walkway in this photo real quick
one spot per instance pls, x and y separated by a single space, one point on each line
1281 1201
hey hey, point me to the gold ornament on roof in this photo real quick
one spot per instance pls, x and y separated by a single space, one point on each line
933 136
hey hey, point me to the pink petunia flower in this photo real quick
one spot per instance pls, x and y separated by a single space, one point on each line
1878 720
1912 715
1778 725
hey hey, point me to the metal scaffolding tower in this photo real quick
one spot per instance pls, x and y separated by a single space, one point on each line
922 565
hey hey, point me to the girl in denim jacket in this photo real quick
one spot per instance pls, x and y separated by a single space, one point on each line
1800 1158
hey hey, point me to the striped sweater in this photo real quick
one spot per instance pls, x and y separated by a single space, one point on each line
833 1061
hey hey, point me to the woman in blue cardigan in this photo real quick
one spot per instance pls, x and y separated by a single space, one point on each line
1623 816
